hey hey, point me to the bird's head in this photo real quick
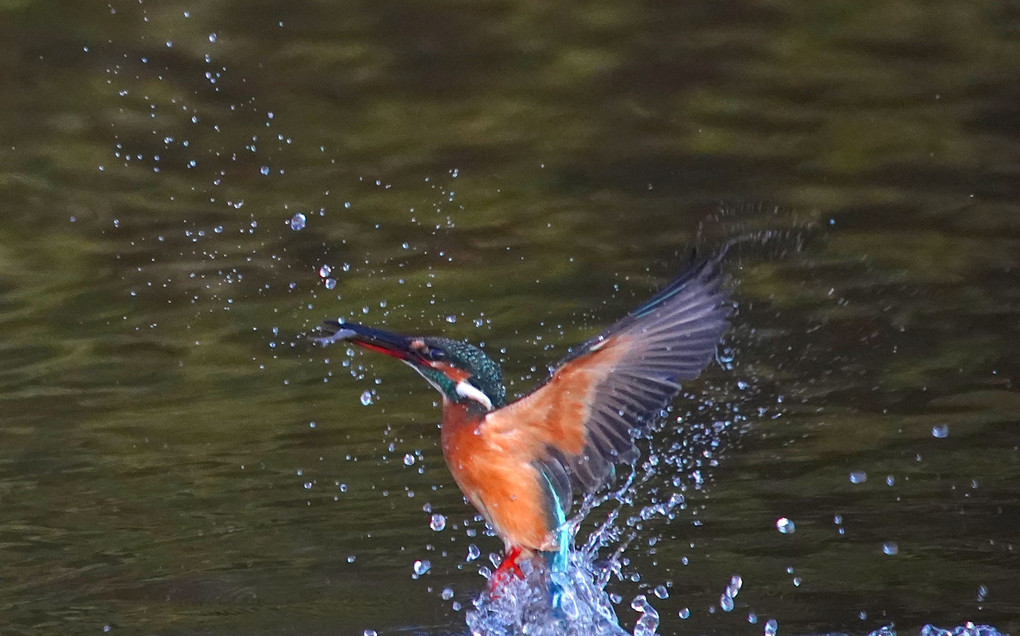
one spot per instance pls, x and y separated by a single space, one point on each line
459 370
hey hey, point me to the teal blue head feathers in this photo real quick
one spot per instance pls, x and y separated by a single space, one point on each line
459 370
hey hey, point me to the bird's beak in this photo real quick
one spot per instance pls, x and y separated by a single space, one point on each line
386 342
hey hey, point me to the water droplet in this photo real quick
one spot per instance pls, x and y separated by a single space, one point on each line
366 398
324 271
890 548
685 613
264 170
982 593
329 283
447 593
649 621
752 618
472 552
297 222
771 627
785 526
726 603
437 522
736 582
940 431
421 567
639 603
408 459
858 477
308 485
451 319
370 632
661 591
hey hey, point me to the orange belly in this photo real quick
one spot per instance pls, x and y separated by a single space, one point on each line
497 476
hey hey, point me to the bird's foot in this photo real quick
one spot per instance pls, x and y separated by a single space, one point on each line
507 570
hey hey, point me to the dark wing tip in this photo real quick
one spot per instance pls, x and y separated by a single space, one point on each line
671 338
701 280
706 273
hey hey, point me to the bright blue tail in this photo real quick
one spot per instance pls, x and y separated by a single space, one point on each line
558 562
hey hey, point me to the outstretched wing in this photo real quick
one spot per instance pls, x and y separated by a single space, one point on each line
581 421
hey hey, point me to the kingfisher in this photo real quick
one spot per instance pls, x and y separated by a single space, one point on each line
520 463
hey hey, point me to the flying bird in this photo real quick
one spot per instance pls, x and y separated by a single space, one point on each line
519 464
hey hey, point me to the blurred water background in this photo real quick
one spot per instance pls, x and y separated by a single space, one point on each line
188 188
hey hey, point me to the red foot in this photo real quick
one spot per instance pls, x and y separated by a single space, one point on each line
507 568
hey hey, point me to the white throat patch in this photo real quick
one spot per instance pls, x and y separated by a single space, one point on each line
468 390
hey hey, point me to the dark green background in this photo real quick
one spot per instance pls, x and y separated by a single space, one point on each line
518 173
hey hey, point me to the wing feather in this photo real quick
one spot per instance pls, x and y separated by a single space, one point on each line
583 418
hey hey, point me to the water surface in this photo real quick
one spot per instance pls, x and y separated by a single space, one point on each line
176 458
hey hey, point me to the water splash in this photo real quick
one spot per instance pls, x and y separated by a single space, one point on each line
584 607
967 629
525 606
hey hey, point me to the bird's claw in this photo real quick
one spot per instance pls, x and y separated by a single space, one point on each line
507 570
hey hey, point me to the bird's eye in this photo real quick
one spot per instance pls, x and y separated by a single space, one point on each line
436 354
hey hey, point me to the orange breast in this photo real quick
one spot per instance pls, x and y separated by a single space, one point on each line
496 475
